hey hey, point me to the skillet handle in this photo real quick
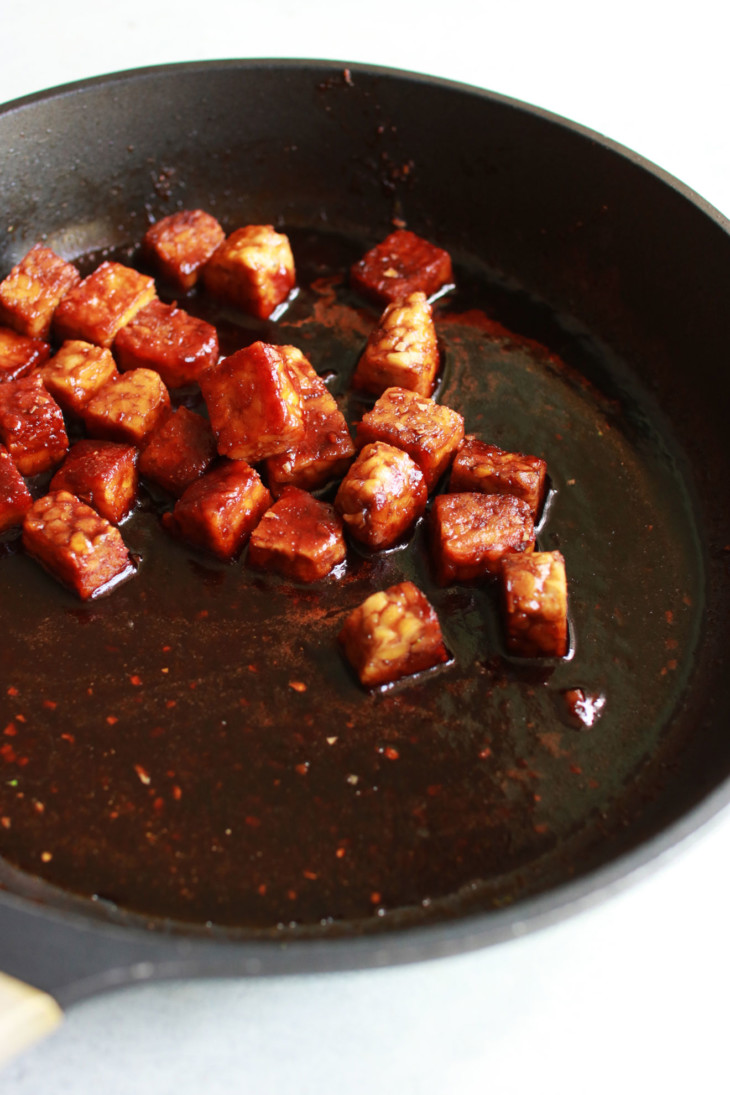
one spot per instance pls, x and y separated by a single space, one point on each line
26 1015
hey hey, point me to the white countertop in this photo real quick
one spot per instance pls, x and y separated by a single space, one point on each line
628 995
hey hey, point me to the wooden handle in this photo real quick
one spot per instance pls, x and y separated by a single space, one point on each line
26 1014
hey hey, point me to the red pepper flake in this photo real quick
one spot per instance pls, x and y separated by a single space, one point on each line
341 852
541 828
135 680
203 613
375 897
302 769
46 857
171 703
143 774
13 691
298 686
38 806
485 753
112 719
50 704
576 769
177 792
113 814
311 875
252 669
158 805
20 718
8 753
391 752
291 894
10 730
5 822
253 822
262 889
166 649
22 761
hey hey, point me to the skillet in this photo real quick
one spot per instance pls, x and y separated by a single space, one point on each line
587 323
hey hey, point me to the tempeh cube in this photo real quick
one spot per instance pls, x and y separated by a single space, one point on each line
470 533
252 269
15 498
536 604
127 407
76 373
402 263
254 403
178 451
180 245
219 511
402 351
31 425
299 537
479 466
33 289
97 308
19 354
393 634
169 340
103 474
381 495
75 544
326 449
429 432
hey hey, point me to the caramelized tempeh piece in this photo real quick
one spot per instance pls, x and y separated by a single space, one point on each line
76 374
103 474
33 289
429 432
252 269
74 544
178 451
326 448
402 351
481 467
470 533
299 537
392 634
219 511
127 407
402 263
31 425
180 245
167 339
99 306
19 354
381 495
536 604
15 498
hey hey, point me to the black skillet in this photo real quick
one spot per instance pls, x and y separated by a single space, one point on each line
315 825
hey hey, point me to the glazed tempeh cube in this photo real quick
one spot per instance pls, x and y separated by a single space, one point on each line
76 373
299 537
127 407
75 544
252 269
178 451
97 308
33 289
381 495
326 448
392 634
479 466
169 340
103 474
402 351
402 263
19 354
536 604
31 425
180 245
429 432
219 511
470 533
254 403
15 498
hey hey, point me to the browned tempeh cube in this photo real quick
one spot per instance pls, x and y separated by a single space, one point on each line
19 354
470 533
381 495
76 373
254 403
402 351
180 245
33 289
252 269
326 449
392 634
15 498
429 432
31 425
479 466
168 339
75 544
127 407
536 604
218 511
299 537
178 451
402 263
99 306
103 474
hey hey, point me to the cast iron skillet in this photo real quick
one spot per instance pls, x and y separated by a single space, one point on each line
591 293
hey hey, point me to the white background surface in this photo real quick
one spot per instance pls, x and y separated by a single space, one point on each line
630 995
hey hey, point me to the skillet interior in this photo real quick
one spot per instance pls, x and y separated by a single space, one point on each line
557 236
